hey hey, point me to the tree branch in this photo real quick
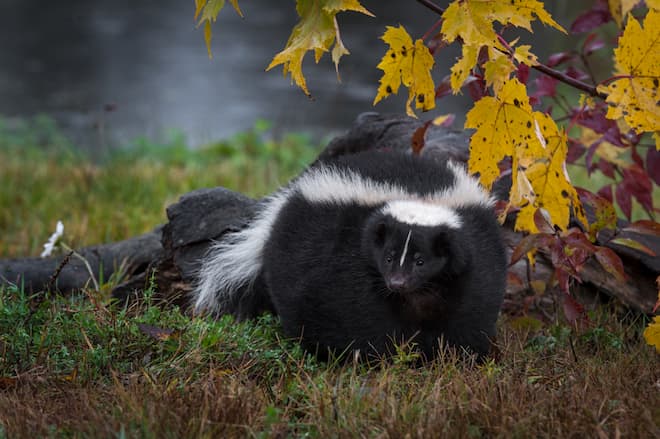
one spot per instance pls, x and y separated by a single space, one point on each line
570 81
432 6
562 77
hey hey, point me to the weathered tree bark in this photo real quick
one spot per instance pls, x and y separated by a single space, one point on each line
131 256
171 255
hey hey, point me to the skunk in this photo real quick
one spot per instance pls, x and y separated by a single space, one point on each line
364 252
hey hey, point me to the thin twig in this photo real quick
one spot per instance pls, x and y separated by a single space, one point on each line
557 74
85 262
539 67
58 270
432 6
433 28
570 81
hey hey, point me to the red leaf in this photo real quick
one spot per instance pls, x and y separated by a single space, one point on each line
653 164
573 310
576 240
611 262
436 43
501 208
576 73
607 169
623 200
636 157
639 185
627 242
476 87
563 279
444 88
523 73
592 44
543 222
512 279
588 158
575 151
596 120
417 142
606 192
599 14
529 243
545 86
644 227
559 58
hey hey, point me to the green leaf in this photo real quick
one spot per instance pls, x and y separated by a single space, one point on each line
627 242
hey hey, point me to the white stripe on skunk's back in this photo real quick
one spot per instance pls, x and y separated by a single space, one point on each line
466 190
327 184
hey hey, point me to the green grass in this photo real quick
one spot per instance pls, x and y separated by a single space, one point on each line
44 179
80 366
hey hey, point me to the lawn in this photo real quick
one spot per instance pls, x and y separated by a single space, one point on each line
80 366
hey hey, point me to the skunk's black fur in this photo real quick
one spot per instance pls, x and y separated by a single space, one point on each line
336 254
336 274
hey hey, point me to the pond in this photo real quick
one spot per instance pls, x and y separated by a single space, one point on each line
112 70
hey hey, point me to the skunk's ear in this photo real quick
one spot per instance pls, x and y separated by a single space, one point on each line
376 231
446 243
379 233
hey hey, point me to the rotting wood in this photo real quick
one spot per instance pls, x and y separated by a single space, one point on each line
169 256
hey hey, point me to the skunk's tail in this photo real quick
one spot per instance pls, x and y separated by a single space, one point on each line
232 264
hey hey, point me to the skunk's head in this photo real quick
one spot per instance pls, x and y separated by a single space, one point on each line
415 245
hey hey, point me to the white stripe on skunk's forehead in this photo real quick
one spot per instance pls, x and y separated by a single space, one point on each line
328 184
422 214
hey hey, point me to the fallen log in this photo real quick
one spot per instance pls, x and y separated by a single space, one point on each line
171 254
131 256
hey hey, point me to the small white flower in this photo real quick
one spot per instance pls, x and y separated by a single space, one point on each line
53 240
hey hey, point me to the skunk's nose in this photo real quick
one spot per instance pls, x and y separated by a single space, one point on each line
397 282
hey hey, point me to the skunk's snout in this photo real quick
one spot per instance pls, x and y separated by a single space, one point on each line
398 283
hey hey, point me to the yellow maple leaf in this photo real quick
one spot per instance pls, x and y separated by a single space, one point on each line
497 69
472 22
461 69
635 95
316 31
409 64
209 10
506 126
549 178
652 333
523 55
494 140
620 8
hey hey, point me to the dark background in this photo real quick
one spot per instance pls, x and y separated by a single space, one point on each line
147 62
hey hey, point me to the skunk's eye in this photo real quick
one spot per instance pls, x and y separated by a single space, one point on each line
419 262
388 259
